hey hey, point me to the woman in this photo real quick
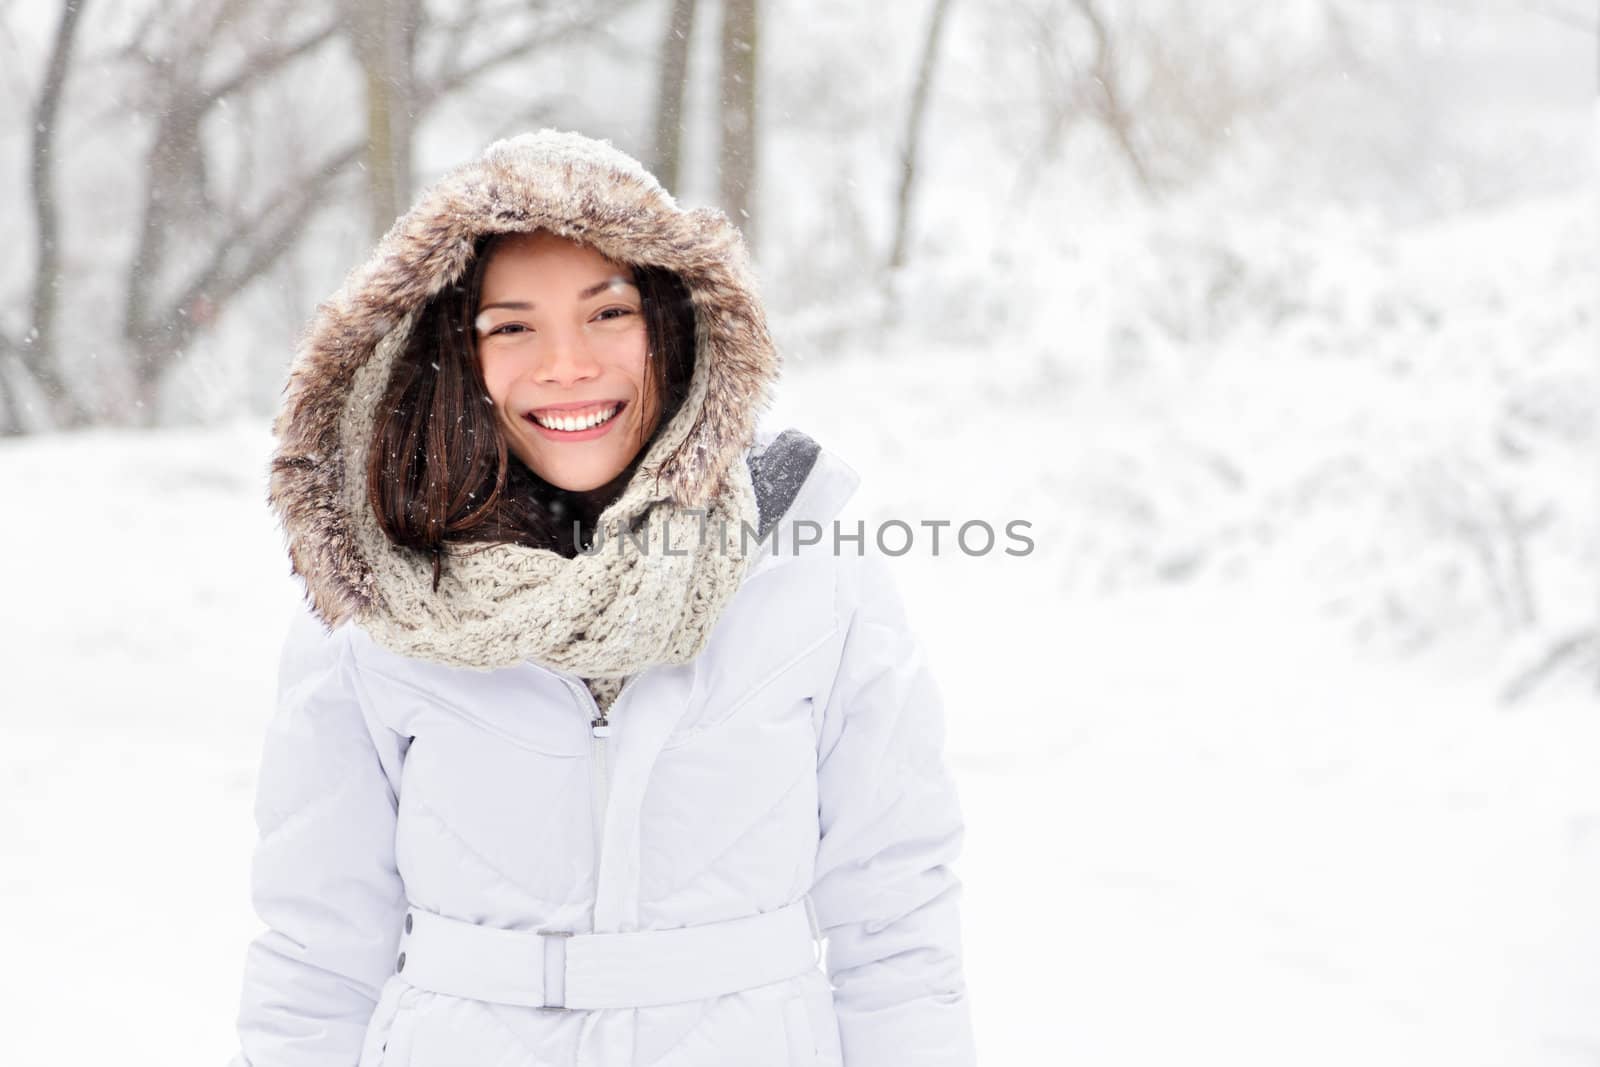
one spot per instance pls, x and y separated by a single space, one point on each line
577 758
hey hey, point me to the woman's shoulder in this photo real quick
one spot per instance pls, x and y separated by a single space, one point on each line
818 553
311 645
801 489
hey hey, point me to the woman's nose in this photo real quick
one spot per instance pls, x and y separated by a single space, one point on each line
566 360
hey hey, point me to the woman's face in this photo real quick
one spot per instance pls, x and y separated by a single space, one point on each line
562 345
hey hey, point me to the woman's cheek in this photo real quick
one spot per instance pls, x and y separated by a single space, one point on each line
495 380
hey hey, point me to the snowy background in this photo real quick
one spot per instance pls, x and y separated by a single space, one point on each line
1276 322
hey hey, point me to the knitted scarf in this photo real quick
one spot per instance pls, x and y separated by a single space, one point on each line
640 598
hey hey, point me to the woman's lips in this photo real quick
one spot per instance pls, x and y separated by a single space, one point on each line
577 405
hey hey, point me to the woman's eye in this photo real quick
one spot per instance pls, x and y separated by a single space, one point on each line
614 313
508 327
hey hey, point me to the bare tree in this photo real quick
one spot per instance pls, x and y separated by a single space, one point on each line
36 351
1156 84
667 146
1105 96
910 147
160 322
740 133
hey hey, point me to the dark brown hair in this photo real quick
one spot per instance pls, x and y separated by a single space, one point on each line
438 469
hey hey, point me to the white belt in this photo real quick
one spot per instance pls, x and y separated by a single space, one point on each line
544 969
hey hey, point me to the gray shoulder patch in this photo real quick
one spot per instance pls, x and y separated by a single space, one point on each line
778 471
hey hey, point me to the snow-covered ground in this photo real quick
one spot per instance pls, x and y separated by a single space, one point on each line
1207 824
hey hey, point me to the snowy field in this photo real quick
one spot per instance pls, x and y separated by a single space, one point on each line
1208 823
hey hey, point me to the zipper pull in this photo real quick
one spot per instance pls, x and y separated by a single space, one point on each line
599 727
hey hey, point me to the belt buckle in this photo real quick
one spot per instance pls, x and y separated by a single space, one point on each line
553 959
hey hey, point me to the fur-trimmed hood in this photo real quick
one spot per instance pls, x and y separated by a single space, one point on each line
581 189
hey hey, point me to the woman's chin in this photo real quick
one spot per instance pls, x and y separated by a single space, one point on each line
581 485
579 467
577 478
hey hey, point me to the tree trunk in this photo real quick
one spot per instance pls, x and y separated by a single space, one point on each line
912 143
10 402
738 162
384 34
37 350
667 149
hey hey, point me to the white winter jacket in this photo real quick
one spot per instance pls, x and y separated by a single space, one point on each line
747 863
800 754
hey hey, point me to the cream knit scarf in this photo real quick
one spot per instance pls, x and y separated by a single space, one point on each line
639 599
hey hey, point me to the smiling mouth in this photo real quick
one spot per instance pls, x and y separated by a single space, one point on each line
574 420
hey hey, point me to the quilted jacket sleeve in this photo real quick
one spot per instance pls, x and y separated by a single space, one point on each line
323 876
885 895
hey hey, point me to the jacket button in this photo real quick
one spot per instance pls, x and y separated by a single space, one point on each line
402 964
408 922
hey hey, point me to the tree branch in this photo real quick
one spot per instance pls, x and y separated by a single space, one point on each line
175 145
225 274
269 62
430 92
1112 110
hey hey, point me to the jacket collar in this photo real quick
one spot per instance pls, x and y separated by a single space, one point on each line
796 480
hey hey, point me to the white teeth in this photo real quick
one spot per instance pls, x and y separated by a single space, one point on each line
572 423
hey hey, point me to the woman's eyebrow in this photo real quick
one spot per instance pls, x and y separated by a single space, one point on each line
616 280
595 289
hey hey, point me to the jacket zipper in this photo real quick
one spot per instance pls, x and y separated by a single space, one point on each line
599 735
